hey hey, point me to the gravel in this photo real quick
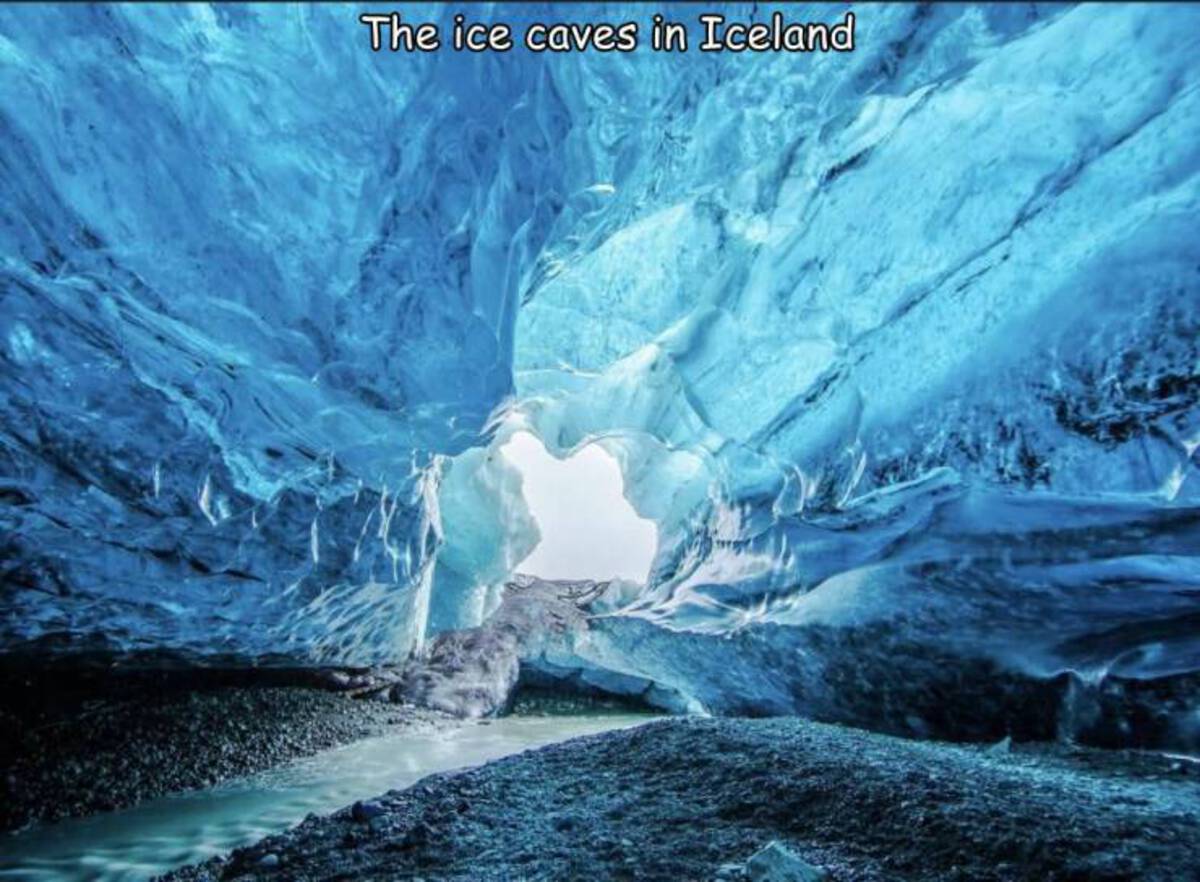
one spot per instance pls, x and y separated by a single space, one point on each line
91 753
697 799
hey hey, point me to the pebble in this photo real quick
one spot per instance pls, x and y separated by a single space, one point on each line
363 812
775 862
417 836
156 742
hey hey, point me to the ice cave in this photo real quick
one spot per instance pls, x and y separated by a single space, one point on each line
801 427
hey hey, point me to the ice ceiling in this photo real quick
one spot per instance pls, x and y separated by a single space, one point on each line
900 342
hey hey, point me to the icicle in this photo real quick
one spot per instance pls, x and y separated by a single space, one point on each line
362 535
859 457
206 500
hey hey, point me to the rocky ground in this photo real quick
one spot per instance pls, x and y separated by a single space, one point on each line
698 799
72 743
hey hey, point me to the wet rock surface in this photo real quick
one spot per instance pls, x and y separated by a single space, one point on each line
73 743
474 672
468 673
692 799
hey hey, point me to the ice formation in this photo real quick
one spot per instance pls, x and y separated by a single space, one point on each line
898 347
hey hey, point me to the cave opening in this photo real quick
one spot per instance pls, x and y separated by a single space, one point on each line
589 529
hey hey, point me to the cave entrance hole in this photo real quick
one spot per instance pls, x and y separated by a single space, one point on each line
589 529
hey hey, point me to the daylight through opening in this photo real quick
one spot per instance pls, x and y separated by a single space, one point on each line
589 529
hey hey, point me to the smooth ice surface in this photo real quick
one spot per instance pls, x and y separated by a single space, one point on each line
157 836
899 341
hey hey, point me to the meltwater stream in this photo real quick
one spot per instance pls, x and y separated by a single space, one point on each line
159 835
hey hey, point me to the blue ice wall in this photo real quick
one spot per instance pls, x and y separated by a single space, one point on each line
837 315
946 284
253 281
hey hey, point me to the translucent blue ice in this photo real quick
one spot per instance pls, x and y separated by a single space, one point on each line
899 339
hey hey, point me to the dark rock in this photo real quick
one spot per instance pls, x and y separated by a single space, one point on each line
365 811
777 863
417 836
469 673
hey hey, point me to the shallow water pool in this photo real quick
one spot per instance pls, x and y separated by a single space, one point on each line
156 836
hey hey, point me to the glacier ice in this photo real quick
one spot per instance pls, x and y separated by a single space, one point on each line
243 321
897 347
